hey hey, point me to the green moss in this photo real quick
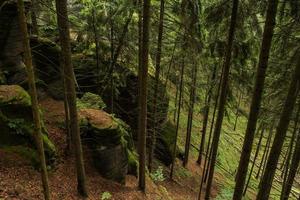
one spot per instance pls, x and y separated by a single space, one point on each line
16 123
14 94
133 163
90 100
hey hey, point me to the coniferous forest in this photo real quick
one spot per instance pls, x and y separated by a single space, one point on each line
149 99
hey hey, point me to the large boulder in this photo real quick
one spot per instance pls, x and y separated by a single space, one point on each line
17 127
110 142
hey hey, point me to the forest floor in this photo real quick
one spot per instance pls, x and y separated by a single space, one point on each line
18 179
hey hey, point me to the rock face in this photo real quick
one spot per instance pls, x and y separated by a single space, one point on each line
126 101
11 42
110 142
17 127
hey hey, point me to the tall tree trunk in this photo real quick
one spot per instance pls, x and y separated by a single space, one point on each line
267 179
266 151
176 101
96 40
157 74
34 99
112 52
208 148
256 99
254 159
35 28
223 97
206 114
143 76
178 116
290 152
68 149
190 116
287 187
64 35
237 110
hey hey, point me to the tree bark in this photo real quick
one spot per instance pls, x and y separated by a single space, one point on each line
157 74
237 111
206 114
190 115
266 152
143 76
223 96
178 116
267 179
64 35
293 170
254 160
34 99
256 99
290 152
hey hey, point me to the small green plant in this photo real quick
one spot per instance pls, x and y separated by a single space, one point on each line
158 174
90 100
106 196
17 125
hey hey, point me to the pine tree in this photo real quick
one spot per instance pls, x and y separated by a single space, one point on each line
34 99
143 75
64 36
256 99
156 84
267 179
223 96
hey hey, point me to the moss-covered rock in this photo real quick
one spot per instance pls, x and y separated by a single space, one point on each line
90 100
165 143
111 143
16 123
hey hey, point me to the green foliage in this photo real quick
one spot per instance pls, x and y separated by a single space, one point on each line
106 196
225 194
91 101
158 174
183 172
17 125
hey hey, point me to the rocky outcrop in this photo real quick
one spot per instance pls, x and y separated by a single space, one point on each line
111 144
17 127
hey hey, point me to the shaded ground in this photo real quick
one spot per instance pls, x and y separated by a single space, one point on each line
18 180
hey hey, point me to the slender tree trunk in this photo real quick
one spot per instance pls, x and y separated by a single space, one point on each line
267 179
254 159
178 116
157 74
66 108
290 152
176 101
223 96
256 99
35 28
96 40
64 35
266 152
206 114
190 116
34 99
142 123
208 148
140 33
237 110
112 52
284 161
293 170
